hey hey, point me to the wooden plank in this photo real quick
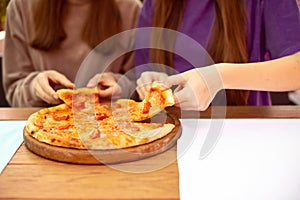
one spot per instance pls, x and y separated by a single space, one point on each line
86 182
33 177
26 157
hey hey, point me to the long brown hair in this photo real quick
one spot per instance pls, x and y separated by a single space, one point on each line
168 14
227 40
48 32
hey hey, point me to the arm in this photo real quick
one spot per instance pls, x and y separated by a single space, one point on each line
198 87
282 74
26 85
18 71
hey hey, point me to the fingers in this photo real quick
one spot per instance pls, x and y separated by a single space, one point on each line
110 92
190 98
46 94
109 88
43 87
188 101
93 82
45 82
144 84
142 90
107 85
145 81
175 80
190 93
60 79
149 77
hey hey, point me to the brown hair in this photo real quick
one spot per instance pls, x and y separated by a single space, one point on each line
168 14
227 41
48 31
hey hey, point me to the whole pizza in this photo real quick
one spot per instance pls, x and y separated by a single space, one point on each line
82 122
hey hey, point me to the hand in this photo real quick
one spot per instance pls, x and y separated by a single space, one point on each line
196 88
107 85
145 81
45 82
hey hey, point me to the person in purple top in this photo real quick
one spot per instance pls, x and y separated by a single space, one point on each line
232 31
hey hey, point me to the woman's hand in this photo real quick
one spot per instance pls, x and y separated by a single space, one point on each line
45 82
107 85
146 79
196 88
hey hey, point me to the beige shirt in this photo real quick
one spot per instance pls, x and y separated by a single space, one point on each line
21 63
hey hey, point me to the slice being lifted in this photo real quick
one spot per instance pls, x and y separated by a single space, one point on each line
80 99
85 104
156 100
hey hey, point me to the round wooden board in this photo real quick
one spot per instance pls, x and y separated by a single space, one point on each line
82 156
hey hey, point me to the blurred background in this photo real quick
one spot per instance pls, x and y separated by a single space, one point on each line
3 4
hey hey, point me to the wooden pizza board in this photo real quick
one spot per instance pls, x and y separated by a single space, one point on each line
82 156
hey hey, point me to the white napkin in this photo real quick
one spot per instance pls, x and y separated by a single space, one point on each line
253 159
294 97
11 137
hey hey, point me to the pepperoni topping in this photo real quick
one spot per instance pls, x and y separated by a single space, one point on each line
101 116
66 126
146 107
58 117
117 105
78 106
95 135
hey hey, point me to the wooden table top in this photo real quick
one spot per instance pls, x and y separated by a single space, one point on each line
29 176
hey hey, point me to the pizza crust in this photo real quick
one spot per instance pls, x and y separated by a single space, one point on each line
107 156
113 134
93 125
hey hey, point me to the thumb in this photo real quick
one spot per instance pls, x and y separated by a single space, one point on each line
181 95
61 79
175 80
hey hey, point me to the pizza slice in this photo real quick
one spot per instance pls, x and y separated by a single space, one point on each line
156 100
84 100
55 126
79 99
123 134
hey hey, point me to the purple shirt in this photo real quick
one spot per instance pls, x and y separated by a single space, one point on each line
274 31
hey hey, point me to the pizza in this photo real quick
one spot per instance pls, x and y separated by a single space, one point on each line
79 99
82 122
156 100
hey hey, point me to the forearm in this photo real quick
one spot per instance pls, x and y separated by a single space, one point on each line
282 74
21 93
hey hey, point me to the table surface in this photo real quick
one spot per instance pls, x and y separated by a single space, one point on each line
29 176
